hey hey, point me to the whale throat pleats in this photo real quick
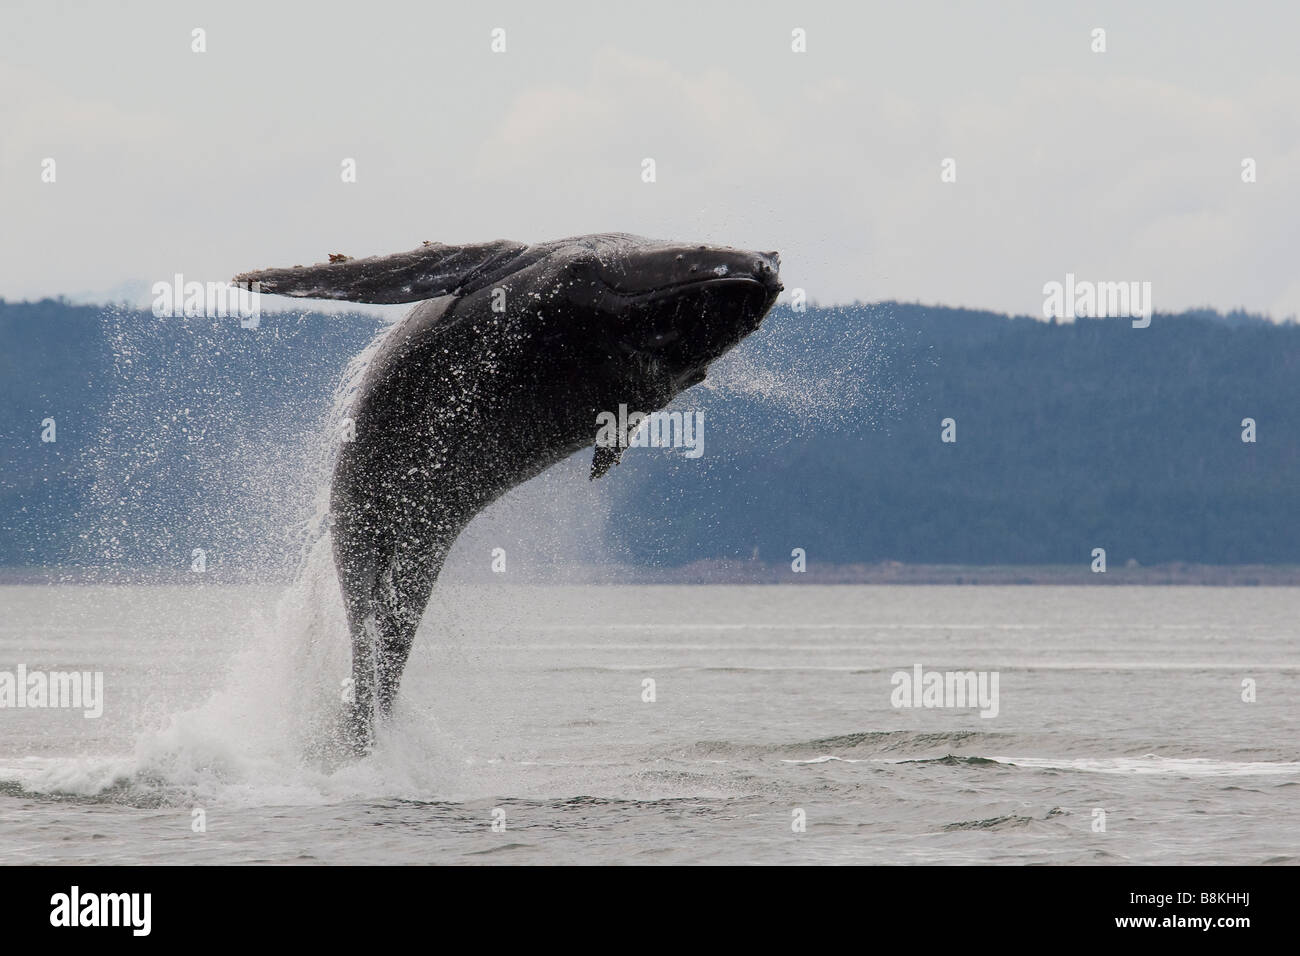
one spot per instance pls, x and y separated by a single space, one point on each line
432 270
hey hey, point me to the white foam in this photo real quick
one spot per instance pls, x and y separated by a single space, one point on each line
1153 764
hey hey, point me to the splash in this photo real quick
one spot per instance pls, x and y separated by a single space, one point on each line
820 370
267 734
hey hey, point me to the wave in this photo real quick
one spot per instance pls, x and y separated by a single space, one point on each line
972 748
851 748
1152 764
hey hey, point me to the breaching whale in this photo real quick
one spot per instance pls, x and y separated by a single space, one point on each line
498 373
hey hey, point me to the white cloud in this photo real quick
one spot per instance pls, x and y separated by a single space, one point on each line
1115 167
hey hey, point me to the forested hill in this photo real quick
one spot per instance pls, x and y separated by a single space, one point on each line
822 432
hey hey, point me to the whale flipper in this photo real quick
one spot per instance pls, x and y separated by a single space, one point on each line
432 270
605 458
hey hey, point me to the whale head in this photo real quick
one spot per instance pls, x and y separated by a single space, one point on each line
685 305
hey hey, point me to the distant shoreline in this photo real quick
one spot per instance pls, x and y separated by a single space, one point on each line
728 572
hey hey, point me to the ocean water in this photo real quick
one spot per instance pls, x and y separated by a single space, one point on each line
771 736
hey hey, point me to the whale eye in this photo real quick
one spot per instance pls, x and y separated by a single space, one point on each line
720 271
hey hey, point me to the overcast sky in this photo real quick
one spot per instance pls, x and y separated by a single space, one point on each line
1123 165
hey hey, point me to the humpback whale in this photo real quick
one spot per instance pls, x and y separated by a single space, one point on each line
499 372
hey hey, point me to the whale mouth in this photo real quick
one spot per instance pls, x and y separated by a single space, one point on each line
711 280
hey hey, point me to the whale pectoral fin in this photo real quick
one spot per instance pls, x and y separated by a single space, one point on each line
432 270
606 457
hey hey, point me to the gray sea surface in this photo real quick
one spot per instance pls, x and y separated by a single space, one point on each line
528 730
